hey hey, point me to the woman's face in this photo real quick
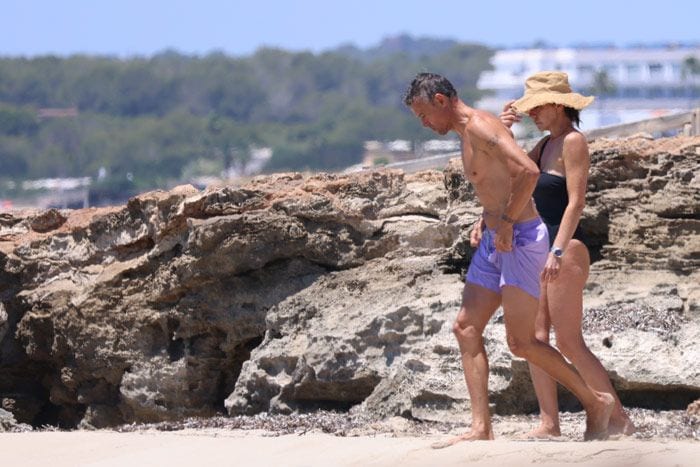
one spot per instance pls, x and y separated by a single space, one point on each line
545 115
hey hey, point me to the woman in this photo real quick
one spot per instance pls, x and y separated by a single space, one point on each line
563 159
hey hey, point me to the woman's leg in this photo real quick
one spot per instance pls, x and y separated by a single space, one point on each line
565 300
545 386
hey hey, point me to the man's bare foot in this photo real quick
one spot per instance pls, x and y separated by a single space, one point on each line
471 436
542 432
598 418
621 425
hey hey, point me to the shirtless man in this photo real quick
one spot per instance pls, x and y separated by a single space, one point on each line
507 265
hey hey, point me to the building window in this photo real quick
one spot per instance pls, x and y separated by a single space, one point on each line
518 70
632 92
584 72
655 92
634 71
656 70
677 71
678 92
611 70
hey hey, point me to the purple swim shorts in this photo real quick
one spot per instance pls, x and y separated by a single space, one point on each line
521 267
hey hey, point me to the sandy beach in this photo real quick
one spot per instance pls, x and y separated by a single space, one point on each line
239 448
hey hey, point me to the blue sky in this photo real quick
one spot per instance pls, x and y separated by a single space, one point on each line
144 27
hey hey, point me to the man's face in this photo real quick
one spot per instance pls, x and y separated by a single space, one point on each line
433 114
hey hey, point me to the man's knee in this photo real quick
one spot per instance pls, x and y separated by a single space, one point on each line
467 332
520 347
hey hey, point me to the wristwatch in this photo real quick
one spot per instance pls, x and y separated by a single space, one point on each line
556 251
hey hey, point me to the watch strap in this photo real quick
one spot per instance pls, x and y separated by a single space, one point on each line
556 251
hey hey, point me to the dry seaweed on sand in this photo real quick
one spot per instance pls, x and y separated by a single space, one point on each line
672 424
641 316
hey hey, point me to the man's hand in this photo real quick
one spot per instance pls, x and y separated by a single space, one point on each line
504 237
476 233
509 115
551 268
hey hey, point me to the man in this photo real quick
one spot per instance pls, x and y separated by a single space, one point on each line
506 268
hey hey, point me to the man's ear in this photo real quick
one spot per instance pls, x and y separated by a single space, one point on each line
440 99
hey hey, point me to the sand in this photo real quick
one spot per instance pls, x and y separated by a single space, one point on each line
217 447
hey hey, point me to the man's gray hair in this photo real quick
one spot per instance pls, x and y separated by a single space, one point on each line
426 85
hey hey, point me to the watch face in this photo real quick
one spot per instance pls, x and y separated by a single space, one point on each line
558 252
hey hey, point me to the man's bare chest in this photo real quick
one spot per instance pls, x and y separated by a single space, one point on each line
476 164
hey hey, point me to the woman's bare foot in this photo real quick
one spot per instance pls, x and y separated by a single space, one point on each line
471 436
542 432
598 417
621 424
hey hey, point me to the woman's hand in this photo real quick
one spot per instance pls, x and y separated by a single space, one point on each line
551 268
476 233
509 115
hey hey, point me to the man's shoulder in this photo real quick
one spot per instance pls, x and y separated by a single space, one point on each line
484 117
484 122
487 129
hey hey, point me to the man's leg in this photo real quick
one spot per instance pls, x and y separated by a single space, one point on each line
478 305
545 386
520 310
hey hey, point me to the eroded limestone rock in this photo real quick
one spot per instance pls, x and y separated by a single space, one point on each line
296 292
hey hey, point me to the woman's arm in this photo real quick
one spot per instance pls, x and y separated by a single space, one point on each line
477 232
508 117
576 164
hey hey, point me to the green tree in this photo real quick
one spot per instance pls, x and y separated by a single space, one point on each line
229 142
602 85
148 121
17 121
690 67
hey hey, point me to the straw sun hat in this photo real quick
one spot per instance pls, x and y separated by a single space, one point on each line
550 87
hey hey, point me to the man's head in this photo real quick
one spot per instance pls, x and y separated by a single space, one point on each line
430 97
426 85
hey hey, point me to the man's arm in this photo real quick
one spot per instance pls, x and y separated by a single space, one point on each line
522 170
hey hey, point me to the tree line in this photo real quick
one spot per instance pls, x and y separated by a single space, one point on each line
145 122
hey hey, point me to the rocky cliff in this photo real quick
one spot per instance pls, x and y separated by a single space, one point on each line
293 293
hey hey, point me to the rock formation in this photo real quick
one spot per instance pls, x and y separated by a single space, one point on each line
296 292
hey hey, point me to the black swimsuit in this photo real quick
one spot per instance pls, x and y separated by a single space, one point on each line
551 199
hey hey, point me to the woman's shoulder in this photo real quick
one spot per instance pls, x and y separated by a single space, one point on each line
575 141
575 137
574 151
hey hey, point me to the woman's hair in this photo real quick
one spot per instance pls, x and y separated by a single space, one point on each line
574 115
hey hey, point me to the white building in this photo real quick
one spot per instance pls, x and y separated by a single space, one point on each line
647 82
